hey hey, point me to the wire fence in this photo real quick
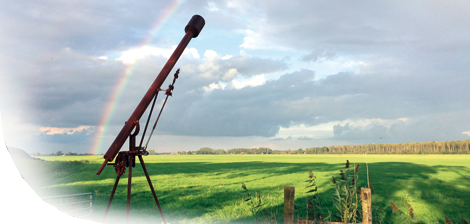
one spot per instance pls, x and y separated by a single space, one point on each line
75 203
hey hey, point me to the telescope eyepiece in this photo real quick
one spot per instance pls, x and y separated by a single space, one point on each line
195 25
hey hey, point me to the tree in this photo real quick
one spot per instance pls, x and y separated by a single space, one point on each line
219 151
59 153
205 150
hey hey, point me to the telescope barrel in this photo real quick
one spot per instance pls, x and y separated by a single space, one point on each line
192 30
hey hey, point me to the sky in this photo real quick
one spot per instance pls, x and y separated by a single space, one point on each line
277 74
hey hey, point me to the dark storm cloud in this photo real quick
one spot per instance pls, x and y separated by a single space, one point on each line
338 23
71 92
232 112
433 127
73 89
50 75
92 27
419 36
296 98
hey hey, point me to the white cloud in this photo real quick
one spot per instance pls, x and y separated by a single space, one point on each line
188 68
211 6
226 57
322 131
324 68
56 130
213 86
466 133
371 121
131 56
235 4
230 74
191 51
209 68
102 58
252 40
254 81
210 54
216 68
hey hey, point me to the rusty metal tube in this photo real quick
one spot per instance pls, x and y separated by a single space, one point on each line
111 198
192 30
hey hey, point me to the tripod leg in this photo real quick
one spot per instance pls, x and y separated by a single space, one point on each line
129 178
151 188
111 197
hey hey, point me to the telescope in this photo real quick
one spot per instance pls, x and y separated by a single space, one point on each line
127 158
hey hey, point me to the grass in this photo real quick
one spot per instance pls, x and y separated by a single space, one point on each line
207 188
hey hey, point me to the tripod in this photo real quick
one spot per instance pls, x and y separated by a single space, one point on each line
127 159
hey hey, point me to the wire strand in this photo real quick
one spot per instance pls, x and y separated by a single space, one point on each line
146 125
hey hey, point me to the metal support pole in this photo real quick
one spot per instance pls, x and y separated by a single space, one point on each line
151 188
111 197
129 181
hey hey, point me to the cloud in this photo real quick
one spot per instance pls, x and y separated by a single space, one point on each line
129 57
346 24
370 132
296 98
317 55
81 137
56 130
419 129
211 6
250 66
306 138
227 68
250 110
60 67
389 38
255 81
74 88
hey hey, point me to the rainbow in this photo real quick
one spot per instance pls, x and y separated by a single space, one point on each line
124 77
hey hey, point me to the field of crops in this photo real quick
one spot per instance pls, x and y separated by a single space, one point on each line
207 188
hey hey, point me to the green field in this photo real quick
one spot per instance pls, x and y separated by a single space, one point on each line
207 188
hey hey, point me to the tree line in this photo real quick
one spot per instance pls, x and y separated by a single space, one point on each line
60 153
208 151
448 147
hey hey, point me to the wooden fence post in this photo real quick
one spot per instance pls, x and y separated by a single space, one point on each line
289 193
366 198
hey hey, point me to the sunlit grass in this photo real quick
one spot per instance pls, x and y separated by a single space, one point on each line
207 188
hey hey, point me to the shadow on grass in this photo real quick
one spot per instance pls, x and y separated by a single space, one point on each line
393 182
